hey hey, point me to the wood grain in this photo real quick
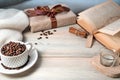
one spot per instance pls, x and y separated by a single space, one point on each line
63 43
62 57
60 69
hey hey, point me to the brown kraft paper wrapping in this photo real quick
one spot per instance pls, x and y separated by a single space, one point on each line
44 22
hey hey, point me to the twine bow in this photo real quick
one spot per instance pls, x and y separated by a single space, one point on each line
45 10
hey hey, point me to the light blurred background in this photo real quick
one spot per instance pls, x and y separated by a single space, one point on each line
75 5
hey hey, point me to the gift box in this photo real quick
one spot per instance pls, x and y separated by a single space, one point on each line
47 17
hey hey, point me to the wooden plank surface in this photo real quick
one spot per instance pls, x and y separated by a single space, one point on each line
61 57
62 43
60 69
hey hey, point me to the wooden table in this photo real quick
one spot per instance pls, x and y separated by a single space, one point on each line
74 65
60 69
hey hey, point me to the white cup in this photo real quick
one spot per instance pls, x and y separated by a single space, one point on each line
18 60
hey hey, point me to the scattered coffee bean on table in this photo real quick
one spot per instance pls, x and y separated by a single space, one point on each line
39 38
35 43
41 34
46 37
42 30
46 34
13 49
54 30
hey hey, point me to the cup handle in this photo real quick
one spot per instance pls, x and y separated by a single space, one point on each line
29 46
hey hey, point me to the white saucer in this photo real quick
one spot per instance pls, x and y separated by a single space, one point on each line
33 58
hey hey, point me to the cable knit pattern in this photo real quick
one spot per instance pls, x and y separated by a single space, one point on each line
12 24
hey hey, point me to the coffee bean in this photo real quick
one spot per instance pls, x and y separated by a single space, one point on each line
46 34
35 43
41 34
46 37
48 31
54 30
13 49
51 33
42 30
39 38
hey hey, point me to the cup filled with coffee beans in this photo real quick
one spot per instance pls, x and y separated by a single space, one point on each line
15 54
